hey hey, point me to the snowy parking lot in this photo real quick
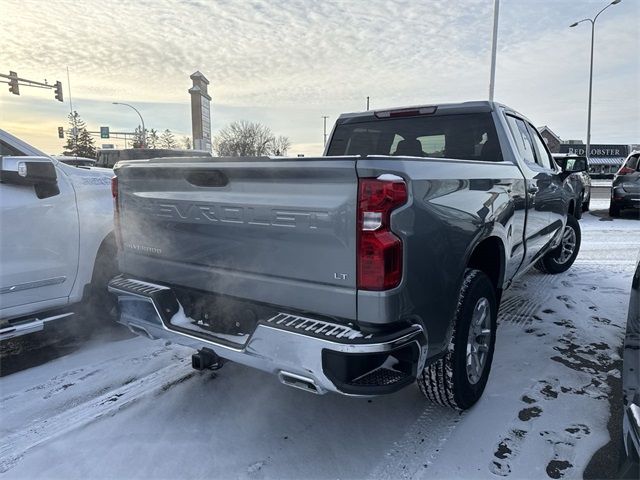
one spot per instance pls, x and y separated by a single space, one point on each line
119 406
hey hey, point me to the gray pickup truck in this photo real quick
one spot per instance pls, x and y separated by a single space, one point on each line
359 272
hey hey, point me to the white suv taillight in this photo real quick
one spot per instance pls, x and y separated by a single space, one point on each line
379 249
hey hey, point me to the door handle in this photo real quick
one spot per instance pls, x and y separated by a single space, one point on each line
532 189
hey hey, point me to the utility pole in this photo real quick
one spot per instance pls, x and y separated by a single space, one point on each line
494 47
367 103
71 106
69 88
324 118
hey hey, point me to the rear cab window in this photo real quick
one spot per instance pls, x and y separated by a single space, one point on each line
469 136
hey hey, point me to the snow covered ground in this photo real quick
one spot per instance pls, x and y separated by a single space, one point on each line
133 408
601 182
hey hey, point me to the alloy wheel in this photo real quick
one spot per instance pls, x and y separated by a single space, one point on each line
479 340
567 245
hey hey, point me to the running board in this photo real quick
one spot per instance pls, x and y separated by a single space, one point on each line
29 326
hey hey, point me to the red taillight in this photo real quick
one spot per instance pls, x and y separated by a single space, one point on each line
625 171
116 211
379 250
114 187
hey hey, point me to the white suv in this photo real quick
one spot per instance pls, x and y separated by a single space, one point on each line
56 242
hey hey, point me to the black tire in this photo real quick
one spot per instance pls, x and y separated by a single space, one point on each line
577 211
614 210
100 306
552 262
446 381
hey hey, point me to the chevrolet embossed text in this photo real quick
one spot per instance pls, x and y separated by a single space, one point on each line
254 215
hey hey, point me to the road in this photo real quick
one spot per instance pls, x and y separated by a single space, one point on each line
118 406
600 193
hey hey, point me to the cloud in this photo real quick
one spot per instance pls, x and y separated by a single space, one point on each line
288 62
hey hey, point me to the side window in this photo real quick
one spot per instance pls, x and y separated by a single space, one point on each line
522 138
632 163
8 150
542 154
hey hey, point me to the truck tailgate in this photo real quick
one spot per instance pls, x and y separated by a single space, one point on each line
275 231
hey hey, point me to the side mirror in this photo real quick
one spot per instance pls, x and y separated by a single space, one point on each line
39 172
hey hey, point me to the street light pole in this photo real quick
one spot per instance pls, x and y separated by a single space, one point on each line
144 131
324 118
593 31
494 47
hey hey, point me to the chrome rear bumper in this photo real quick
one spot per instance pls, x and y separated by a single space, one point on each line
316 355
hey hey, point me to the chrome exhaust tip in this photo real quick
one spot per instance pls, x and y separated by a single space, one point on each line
298 381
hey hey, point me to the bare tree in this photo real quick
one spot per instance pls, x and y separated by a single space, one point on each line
280 145
186 143
248 139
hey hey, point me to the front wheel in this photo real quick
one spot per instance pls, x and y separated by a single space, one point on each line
562 257
585 205
100 306
458 378
578 209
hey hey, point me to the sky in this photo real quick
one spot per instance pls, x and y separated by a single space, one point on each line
286 63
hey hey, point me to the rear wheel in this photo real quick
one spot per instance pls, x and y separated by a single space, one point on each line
458 379
614 210
562 257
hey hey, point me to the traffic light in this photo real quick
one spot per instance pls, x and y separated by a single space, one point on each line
60 132
104 132
14 87
59 92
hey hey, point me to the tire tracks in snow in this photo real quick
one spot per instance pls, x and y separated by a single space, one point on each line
16 444
522 303
420 445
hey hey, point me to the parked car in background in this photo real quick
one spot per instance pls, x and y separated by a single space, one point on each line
360 272
580 182
76 161
56 243
631 382
625 189
107 158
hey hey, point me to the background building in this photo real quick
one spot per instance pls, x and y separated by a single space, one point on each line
551 139
604 159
